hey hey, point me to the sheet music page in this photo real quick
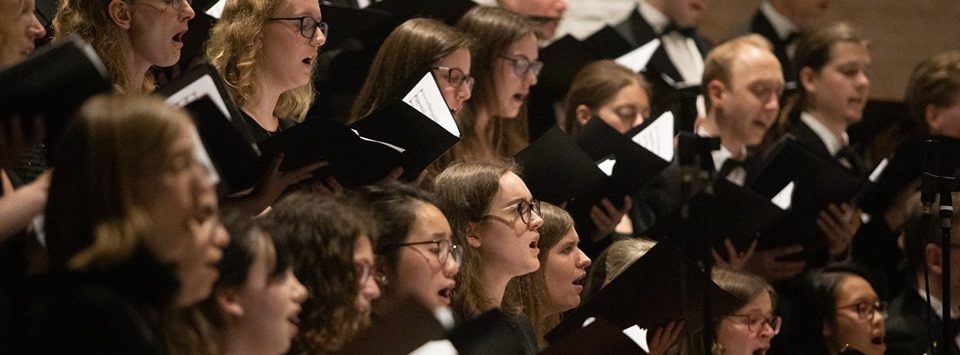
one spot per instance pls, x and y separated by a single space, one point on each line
638 335
606 165
637 59
391 146
197 89
658 137
784 198
426 98
879 170
216 10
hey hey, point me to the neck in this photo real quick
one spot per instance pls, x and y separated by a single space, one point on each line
936 289
495 285
836 125
262 106
238 344
727 140
483 130
787 11
136 66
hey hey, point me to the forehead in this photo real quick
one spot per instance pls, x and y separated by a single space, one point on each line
760 304
459 59
854 288
524 46
300 8
850 51
512 188
753 64
430 223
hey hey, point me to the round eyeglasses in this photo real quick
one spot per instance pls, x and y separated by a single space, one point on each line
308 25
443 249
755 322
525 210
365 272
457 78
867 310
522 66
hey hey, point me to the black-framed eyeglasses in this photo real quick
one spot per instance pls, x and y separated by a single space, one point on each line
522 66
365 272
525 210
755 322
867 310
308 25
442 249
457 78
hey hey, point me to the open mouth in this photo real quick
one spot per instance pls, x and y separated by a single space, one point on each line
519 97
877 340
760 351
533 244
179 37
307 60
579 280
446 294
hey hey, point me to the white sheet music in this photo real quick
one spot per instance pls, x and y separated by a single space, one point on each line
606 166
216 10
658 137
637 59
196 90
638 335
391 146
879 170
784 198
426 98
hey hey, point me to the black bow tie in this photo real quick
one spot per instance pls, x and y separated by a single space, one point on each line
728 165
688 32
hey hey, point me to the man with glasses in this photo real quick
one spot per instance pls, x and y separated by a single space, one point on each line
916 315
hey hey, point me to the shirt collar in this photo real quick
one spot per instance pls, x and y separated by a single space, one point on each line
833 143
937 306
721 155
657 19
782 25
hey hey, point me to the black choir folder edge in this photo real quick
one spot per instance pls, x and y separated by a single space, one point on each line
50 85
660 287
600 337
562 169
408 132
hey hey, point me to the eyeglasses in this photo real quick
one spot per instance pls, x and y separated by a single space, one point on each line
522 66
457 78
175 4
867 310
755 322
308 25
525 210
365 272
443 250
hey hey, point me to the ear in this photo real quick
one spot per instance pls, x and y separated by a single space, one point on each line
805 77
583 114
828 330
227 301
715 90
119 13
472 239
932 114
932 253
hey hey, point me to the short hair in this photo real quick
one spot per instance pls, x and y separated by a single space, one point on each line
93 216
235 47
466 190
527 292
719 62
595 85
923 230
935 81
90 20
412 48
320 232
493 30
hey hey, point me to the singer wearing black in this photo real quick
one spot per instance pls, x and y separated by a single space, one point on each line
781 22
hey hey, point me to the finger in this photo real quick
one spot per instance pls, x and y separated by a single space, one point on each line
319 187
731 250
750 250
599 217
717 259
334 185
611 210
627 203
393 174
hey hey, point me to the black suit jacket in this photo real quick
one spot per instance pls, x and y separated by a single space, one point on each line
638 32
808 138
909 326
759 24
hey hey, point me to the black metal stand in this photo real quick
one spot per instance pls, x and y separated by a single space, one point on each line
935 181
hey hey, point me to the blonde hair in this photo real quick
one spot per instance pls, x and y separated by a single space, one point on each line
235 48
719 62
623 253
113 143
90 20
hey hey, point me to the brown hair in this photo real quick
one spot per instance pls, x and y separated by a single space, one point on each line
412 48
595 85
526 292
235 48
935 81
320 232
466 190
493 30
719 62
95 220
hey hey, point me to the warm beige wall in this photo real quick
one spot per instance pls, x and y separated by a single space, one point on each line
901 32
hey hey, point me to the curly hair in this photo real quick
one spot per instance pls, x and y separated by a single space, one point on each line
90 20
320 232
411 49
235 49
466 190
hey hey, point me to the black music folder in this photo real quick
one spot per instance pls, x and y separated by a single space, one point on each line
347 22
50 84
600 337
392 334
660 287
558 171
448 11
936 154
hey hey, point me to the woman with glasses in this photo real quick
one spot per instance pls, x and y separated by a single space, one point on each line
130 36
494 216
415 250
504 54
746 330
265 51
332 255
555 287
845 312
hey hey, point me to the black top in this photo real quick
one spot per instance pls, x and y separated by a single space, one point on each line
760 25
911 324
259 133
106 312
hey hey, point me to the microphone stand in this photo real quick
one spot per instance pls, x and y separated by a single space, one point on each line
933 182
696 169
